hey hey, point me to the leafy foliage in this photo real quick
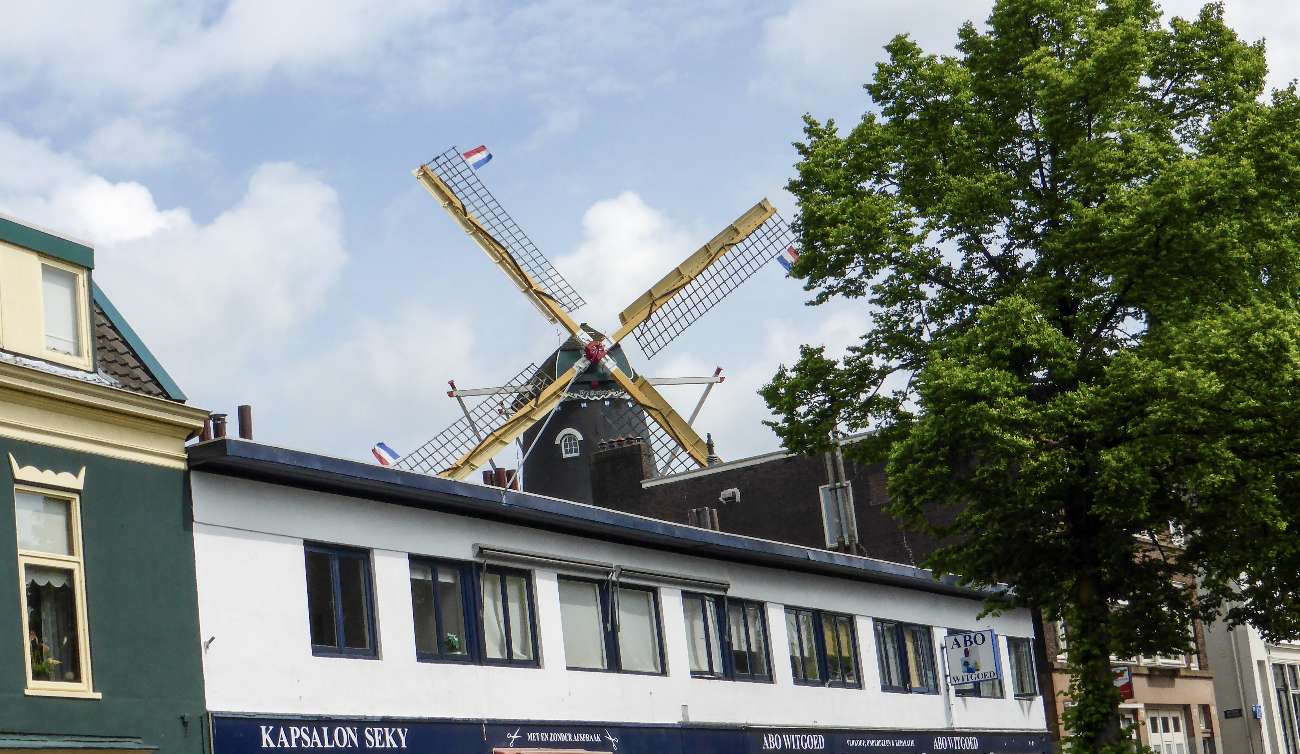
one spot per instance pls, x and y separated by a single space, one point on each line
1079 242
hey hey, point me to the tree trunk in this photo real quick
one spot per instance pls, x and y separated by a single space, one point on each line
1094 717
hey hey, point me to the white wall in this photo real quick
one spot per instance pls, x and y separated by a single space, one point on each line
253 610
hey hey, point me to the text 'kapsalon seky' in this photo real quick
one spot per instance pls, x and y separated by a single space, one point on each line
332 737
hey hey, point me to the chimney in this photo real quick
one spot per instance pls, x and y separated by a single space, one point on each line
245 415
206 434
704 518
500 477
218 426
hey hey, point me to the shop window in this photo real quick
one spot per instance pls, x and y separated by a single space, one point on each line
340 601
1024 678
823 648
508 630
905 652
990 689
727 638
610 628
51 569
441 602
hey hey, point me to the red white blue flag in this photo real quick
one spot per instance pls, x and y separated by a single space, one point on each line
477 157
788 257
385 455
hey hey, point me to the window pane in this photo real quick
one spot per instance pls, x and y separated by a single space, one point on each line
494 618
60 293
422 606
320 600
638 631
920 658
521 628
757 640
702 634
736 635
352 594
451 606
584 630
848 660
52 624
831 641
809 648
1022 666
888 654
792 645
43 523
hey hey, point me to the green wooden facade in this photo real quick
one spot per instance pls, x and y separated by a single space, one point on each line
141 603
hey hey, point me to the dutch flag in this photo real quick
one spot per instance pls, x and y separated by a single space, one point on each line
477 157
384 454
788 257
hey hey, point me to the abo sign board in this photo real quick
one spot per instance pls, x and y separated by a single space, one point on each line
971 657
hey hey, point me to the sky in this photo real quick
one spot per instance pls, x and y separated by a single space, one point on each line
243 170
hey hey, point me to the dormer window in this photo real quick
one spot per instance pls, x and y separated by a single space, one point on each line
569 441
45 296
60 289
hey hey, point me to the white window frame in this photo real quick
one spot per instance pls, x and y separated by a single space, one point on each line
569 433
74 562
81 359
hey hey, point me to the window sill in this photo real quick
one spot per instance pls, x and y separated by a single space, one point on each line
436 660
1026 697
336 654
66 694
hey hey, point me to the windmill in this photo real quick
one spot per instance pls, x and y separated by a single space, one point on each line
590 370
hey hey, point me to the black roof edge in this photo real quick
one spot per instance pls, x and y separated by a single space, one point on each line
266 463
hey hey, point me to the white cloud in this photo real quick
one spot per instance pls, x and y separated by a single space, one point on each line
626 247
833 45
208 297
134 143
375 378
151 50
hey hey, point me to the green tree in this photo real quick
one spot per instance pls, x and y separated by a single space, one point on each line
1077 243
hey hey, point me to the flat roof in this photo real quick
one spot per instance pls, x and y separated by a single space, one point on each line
295 468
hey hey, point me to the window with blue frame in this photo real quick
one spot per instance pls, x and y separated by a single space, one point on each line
467 612
906 655
610 627
726 638
507 625
441 603
340 601
823 648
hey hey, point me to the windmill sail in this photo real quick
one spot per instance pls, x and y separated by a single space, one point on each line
735 264
448 446
454 171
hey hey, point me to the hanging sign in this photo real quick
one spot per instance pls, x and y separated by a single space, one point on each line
972 657
1123 681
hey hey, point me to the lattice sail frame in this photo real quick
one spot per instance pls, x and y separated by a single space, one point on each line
713 285
670 458
463 180
489 413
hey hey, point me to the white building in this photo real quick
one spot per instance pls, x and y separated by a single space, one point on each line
345 605
1258 690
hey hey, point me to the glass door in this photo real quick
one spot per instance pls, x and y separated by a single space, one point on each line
1166 733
